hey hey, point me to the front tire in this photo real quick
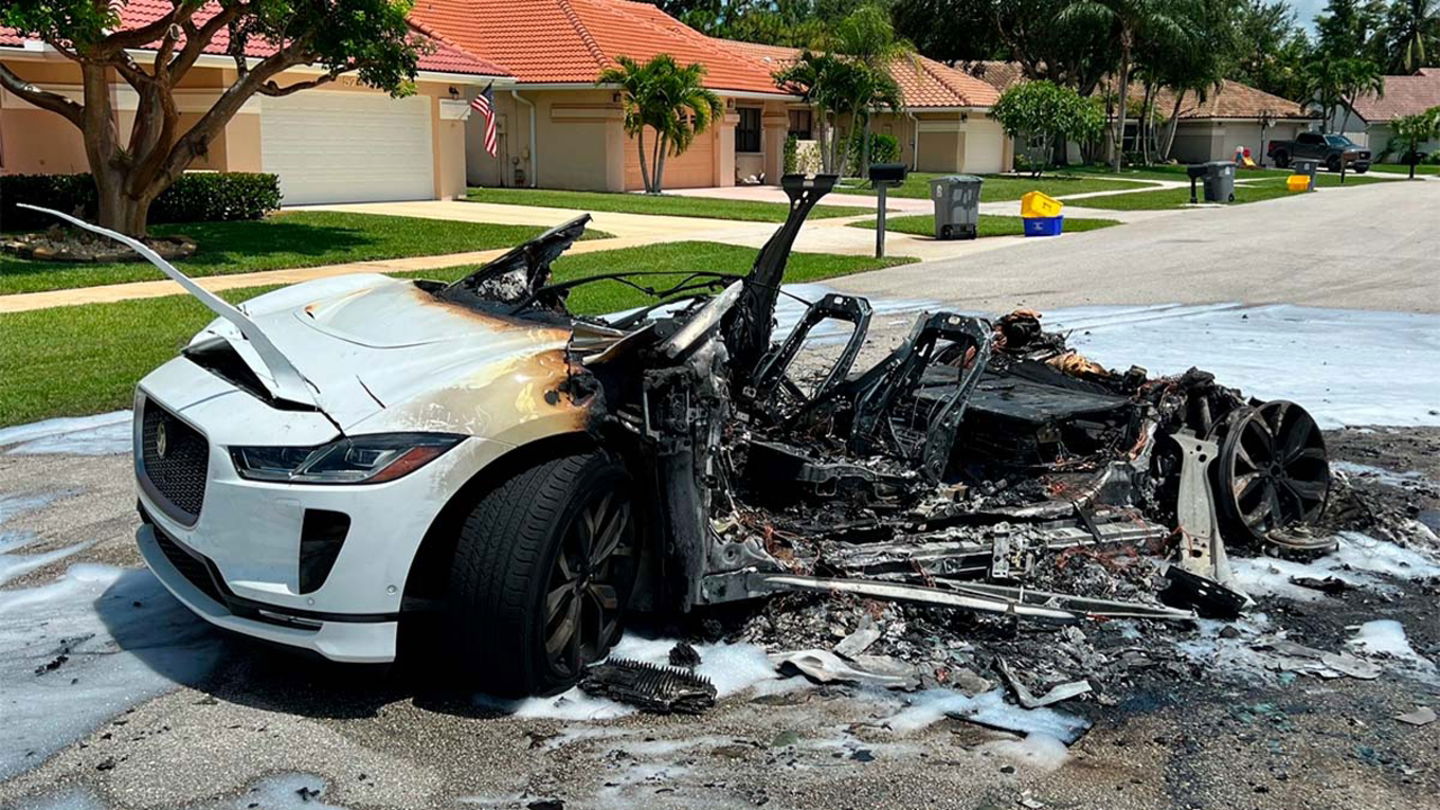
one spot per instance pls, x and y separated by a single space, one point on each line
543 569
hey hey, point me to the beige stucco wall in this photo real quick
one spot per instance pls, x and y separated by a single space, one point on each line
969 142
39 142
579 140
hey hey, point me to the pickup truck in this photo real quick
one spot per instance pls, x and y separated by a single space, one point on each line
1329 149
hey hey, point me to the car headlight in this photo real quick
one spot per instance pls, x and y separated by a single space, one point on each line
352 460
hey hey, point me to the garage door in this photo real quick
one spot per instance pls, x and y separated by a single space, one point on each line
348 147
693 169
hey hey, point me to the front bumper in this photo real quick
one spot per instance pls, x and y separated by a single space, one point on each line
370 640
240 554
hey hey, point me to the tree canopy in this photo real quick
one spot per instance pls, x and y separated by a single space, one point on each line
369 38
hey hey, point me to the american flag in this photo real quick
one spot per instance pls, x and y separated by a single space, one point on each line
485 105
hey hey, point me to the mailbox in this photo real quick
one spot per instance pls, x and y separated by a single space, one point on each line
890 174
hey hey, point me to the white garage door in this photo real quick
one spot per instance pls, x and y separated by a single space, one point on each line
348 147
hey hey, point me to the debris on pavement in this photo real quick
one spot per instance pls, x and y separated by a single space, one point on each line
823 666
649 687
1027 699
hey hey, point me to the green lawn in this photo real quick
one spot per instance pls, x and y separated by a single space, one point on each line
1247 191
69 361
924 225
670 205
1003 187
289 239
1172 172
1396 168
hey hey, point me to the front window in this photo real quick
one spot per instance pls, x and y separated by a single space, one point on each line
747 131
800 124
1338 140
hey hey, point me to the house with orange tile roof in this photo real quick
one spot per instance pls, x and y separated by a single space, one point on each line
1229 116
558 130
1369 121
340 142
945 126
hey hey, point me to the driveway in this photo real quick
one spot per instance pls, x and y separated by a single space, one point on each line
1368 247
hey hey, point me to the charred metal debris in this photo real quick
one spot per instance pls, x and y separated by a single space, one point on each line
955 472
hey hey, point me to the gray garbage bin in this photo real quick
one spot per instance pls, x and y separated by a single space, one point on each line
1307 167
1220 181
957 205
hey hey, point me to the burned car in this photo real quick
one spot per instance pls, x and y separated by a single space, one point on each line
355 464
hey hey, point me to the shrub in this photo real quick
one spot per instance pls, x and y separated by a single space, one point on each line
195 197
217 197
883 149
792 147
69 193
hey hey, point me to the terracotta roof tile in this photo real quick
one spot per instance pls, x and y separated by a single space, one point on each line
447 57
1231 100
998 74
1404 95
571 41
923 81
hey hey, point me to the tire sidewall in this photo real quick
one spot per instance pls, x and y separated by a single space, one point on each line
603 473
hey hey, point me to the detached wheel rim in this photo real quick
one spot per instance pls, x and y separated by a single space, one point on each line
589 583
1273 472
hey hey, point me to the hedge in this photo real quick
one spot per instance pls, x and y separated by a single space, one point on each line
195 197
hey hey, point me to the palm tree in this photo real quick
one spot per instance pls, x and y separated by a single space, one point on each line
819 79
1413 131
1131 20
668 99
866 39
1336 82
1195 61
1412 32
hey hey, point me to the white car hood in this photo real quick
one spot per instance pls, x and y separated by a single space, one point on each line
368 342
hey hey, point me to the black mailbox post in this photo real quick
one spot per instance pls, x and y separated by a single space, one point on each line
884 176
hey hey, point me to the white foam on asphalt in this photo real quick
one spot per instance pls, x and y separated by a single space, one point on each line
1345 366
84 648
99 435
1386 637
732 668
988 709
1356 560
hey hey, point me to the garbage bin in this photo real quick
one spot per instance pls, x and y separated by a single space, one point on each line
1307 167
957 206
1220 181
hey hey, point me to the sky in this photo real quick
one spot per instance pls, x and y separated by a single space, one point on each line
1305 11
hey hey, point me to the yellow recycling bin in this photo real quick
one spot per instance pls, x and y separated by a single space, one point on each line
1298 182
1039 204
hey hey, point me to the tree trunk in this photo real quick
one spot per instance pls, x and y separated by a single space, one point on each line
660 162
1174 124
824 141
654 185
865 148
644 168
1142 127
1118 147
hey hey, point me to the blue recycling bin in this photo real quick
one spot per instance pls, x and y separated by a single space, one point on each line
1044 226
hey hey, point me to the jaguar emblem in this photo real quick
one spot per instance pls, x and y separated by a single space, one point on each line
162 442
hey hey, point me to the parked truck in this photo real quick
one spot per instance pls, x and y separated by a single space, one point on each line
1330 149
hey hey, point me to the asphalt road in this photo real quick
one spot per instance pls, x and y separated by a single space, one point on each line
1369 247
